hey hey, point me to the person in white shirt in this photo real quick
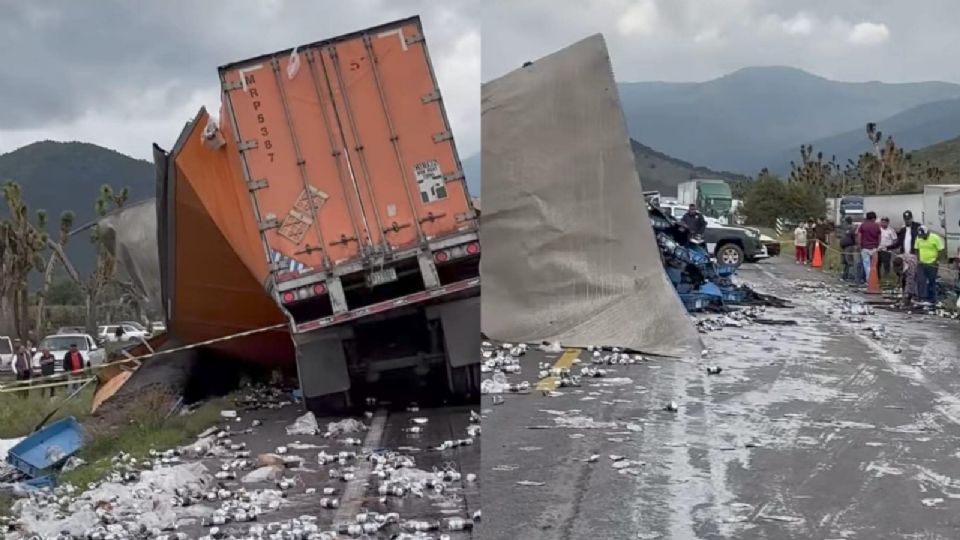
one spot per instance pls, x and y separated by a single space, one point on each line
888 242
800 242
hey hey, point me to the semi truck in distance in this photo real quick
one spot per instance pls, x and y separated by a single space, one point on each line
713 197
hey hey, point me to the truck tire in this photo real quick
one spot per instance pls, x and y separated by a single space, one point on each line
464 382
730 253
337 403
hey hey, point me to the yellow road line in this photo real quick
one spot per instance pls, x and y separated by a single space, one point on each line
549 383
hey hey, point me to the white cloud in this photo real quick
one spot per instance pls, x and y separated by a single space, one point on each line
71 81
868 33
641 18
707 35
800 24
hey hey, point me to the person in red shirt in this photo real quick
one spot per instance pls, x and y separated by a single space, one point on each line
73 365
868 239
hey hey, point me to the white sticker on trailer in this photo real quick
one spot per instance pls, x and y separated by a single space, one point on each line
430 181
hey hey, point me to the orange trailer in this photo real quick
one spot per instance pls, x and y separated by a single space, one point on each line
330 194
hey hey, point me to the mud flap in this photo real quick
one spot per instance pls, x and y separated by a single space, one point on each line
461 329
321 363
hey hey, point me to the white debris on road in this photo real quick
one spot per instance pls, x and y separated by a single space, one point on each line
347 425
304 425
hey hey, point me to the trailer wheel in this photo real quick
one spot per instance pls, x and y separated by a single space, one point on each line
338 403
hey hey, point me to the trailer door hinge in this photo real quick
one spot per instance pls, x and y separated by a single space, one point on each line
228 85
431 97
454 176
442 136
269 222
415 38
254 185
247 145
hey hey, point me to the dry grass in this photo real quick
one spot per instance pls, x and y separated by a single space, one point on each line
147 428
19 414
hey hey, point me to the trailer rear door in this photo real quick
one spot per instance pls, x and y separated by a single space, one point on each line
347 145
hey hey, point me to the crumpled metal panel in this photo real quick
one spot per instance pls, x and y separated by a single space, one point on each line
569 252
130 235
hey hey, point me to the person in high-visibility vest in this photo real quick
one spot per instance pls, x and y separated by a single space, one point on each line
928 247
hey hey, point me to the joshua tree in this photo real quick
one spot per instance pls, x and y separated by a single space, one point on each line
106 269
21 247
58 253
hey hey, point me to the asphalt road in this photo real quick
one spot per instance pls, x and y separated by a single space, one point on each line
815 431
386 432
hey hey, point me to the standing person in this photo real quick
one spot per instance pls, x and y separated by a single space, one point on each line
811 239
800 242
822 233
928 247
905 265
848 243
73 365
888 242
907 239
907 235
21 366
694 221
868 240
47 367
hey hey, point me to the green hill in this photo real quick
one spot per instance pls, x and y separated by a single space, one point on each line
945 155
58 176
662 173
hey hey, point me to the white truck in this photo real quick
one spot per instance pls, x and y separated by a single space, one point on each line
951 218
934 212
891 206
59 345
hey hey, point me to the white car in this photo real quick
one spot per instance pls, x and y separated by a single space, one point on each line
6 353
59 346
109 333
134 324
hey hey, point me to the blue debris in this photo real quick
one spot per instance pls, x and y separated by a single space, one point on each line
42 453
700 283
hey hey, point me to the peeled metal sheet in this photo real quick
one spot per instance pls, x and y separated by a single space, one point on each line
569 253
130 234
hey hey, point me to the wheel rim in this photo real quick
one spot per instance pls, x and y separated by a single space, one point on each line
729 256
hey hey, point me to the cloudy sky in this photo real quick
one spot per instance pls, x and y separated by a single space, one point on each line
125 74
696 40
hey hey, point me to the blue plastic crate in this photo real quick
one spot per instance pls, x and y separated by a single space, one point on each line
49 480
694 301
734 296
31 455
726 270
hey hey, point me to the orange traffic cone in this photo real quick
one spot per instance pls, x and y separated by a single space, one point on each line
873 284
817 261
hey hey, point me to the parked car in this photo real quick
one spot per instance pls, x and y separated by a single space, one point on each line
158 327
6 353
59 345
108 333
729 244
772 245
135 324
71 330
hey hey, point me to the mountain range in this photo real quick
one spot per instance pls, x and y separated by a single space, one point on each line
60 176
758 117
